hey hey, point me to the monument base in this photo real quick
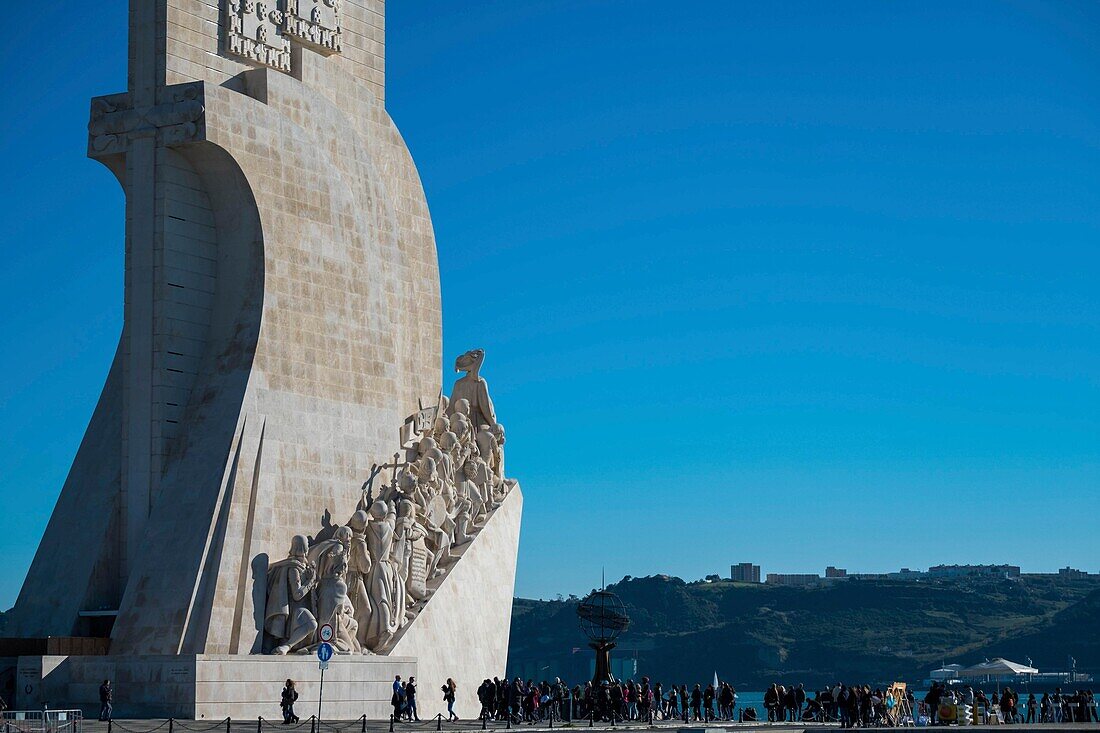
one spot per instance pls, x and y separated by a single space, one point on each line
462 633
213 687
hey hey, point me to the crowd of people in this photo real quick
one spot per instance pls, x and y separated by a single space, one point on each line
849 705
530 702
1055 707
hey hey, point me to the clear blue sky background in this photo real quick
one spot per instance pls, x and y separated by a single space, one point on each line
796 283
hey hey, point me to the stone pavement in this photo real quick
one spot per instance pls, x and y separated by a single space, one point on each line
308 725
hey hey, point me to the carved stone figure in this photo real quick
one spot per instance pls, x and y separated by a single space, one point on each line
477 472
440 528
474 389
359 565
288 618
413 552
343 622
464 526
372 576
332 559
479 500
382 584
497 460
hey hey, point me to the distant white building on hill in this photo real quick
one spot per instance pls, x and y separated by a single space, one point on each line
974 571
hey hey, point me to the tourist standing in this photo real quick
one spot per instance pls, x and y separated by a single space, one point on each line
286 702
410 700
106 698
397 700
771 702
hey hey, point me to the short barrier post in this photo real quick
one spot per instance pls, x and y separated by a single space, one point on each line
171 724
508 718
313 724
364 728
391 722
439 721
110 725
483 719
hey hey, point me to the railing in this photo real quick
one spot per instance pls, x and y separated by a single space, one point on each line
42 721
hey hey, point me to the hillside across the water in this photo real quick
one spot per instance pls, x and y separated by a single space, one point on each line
851 630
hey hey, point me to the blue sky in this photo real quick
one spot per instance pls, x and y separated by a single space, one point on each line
795 283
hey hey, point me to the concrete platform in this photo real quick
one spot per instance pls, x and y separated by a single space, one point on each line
273 723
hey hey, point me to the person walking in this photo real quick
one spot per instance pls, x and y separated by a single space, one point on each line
106 697
286 702
449 689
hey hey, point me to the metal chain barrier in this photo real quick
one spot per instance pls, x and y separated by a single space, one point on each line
123 728
215 726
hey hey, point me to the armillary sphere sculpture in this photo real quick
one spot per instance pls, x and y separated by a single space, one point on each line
603 617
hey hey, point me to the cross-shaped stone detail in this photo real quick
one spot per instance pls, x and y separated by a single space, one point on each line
179 117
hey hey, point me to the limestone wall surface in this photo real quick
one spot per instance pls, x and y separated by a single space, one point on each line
349 340
214 687
463 631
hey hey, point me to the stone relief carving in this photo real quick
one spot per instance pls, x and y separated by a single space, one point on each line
289 618
253 30
316 23
179 117
372 576
262 30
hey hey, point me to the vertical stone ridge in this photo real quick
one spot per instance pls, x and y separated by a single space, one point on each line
207 567
246 546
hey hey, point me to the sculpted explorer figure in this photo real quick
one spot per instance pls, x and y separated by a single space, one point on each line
383 576
473 389
287 617
374 575
412 552
331 558
359 565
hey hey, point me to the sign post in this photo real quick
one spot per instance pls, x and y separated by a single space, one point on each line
324 654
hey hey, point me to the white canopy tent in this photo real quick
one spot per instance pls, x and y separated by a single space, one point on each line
997 668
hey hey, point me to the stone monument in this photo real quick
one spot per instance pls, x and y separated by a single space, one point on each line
251 471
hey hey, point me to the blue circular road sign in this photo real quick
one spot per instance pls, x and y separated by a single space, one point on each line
324 652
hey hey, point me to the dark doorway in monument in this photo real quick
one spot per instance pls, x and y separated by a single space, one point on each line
95 624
